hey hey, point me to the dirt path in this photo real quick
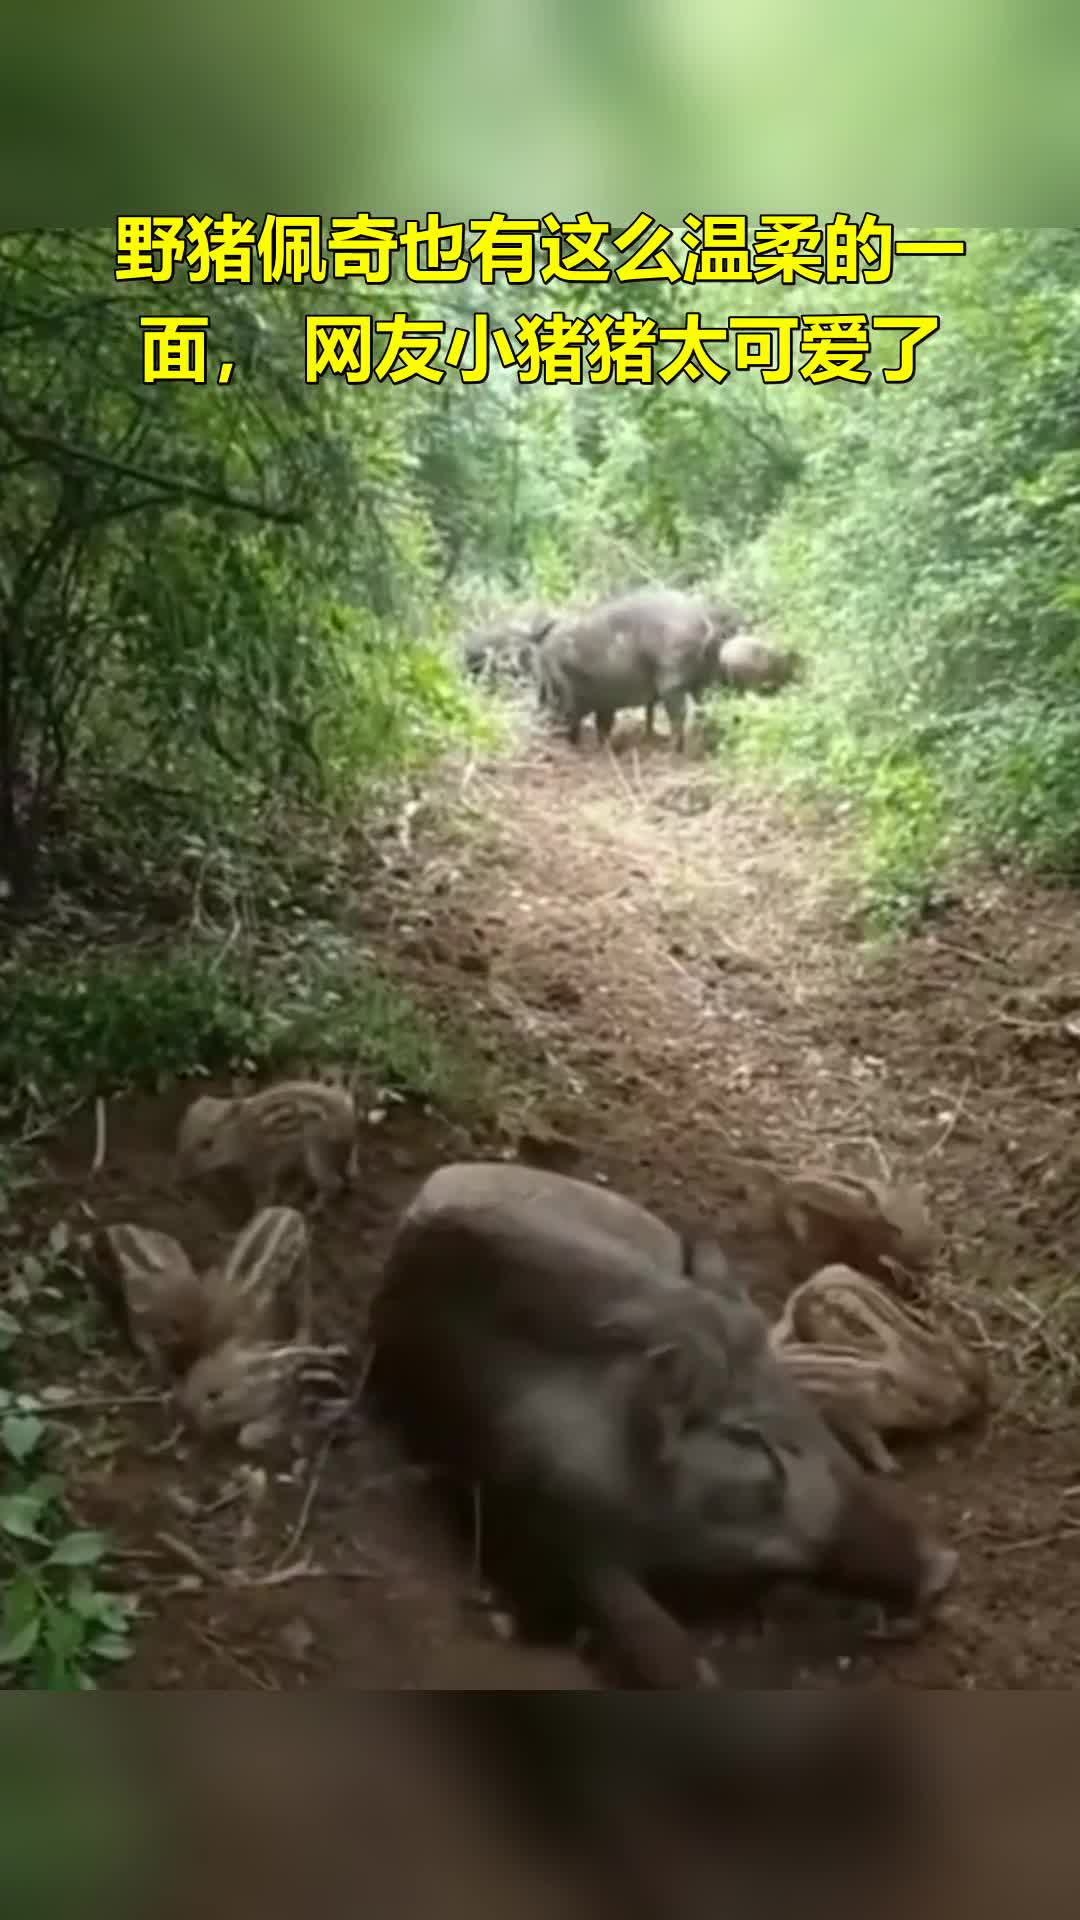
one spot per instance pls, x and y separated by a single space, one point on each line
673 966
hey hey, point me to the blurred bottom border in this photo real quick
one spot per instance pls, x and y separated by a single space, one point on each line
447 1804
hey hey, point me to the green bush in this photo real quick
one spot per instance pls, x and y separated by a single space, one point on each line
926 564
144 1019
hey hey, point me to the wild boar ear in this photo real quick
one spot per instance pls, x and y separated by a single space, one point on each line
667 1367
677 1389
658 1408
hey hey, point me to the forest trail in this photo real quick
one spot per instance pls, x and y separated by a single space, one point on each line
673 963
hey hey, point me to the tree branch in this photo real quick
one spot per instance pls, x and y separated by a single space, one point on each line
55 452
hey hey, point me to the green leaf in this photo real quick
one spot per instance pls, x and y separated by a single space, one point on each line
21 1434
65 1634
18 1645
21 1603
111 1647
114 1614
46 1488
32 1270
19 1515
84 1598
79 1550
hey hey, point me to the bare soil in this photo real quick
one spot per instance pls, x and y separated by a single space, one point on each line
668 971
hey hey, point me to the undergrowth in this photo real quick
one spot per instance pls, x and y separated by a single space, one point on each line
997 781
142 1018
61 1620
60 1626
906 802
257 975
164 1012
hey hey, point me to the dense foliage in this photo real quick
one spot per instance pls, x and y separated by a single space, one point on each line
928 560
216 588
241 593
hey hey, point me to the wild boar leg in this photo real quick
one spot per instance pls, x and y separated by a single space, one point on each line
605 721
675 708
644 1637
650 719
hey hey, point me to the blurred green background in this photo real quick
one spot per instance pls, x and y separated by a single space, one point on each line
77 1814
964 113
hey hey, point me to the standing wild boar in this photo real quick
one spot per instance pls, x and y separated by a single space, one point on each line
651 645
505 648
753 665
540 1339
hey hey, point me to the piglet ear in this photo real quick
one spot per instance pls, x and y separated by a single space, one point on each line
137 1266
263 1284
276 1236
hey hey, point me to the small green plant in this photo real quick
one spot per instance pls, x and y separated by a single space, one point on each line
46 1295
57 1624
322 1004
163 1013
907 834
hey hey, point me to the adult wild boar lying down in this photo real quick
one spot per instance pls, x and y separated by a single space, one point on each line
653 645
609 1388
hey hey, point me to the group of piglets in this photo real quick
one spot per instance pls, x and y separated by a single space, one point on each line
606 1388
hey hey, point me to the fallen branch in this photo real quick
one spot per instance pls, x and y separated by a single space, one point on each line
89 1403
223 1651
1034 1543
53 451
337 1421
100 1133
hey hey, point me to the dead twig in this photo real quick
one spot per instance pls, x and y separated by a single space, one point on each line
402 1476
337 1421
1034 1543
222 1651
238 1580
959 1107
876 1149
308 1570
91 1403
168 1445
975 959
190 1556
632 797
99 1136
